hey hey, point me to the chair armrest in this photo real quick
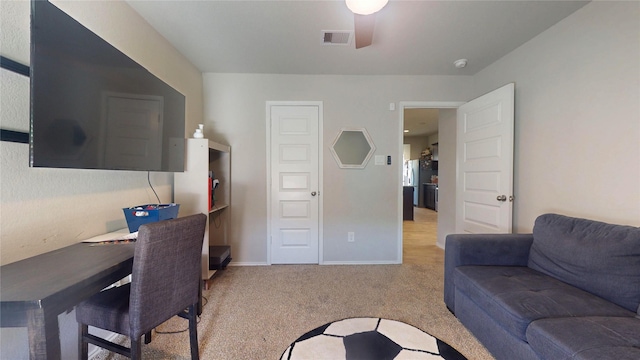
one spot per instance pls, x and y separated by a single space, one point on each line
482 249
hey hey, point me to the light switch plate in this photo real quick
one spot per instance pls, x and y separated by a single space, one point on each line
380 159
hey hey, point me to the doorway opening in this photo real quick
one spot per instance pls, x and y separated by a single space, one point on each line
420 177
480 151
428 152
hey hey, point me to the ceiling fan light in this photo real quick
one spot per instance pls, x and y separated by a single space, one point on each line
365 7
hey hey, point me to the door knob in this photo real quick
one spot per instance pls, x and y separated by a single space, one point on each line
502 198
313 193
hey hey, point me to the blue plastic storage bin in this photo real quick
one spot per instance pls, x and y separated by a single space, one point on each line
144 214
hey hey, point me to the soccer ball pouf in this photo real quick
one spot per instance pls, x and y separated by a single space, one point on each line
368 338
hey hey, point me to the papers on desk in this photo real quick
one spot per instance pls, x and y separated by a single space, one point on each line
121 236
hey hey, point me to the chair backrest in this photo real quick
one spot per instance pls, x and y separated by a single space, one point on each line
166 271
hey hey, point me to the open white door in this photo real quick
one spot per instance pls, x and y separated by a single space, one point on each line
484 186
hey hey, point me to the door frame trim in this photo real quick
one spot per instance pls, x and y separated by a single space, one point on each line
319 104
402 105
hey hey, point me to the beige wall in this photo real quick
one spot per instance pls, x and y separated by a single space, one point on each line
577 116
573 155
361 200
44 209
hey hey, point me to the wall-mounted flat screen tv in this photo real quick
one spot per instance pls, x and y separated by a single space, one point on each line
93 107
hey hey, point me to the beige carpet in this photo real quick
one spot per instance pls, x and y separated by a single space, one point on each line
256 312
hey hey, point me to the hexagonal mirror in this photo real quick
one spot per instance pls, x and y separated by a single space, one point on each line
352 148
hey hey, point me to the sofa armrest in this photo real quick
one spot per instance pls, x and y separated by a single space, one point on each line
482 249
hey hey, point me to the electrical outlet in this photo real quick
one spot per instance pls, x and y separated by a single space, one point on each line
351 236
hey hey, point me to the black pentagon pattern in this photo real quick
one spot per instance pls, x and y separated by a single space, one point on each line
447 352
314 332
370 345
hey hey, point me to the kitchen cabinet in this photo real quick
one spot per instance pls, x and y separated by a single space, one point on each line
407 202
430 195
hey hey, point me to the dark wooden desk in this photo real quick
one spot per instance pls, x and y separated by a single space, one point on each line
34 291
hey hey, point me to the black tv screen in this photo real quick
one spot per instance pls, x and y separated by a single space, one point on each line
93 107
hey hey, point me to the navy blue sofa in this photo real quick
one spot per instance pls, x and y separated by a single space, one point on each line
570 290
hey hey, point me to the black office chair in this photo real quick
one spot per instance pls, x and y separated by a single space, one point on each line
165 282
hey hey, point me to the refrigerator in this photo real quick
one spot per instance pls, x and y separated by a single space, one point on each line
416 175
412 178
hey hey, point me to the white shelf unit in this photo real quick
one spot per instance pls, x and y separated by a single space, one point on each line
191 191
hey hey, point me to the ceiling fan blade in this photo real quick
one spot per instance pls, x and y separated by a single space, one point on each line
363 29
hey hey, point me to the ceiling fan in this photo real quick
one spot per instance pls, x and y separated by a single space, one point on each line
364 12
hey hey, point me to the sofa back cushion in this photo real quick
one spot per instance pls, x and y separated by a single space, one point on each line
601 258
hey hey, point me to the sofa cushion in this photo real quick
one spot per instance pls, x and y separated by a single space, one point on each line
585 338
514 296
603 259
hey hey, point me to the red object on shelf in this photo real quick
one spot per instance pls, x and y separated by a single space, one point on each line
210 192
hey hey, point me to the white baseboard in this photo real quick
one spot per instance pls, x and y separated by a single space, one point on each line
384 262
235 263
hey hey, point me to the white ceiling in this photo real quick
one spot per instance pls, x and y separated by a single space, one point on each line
419 37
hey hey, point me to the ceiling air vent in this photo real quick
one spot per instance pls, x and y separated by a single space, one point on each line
336 37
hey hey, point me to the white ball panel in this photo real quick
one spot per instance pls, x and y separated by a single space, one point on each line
319 347
352 326
415 355
407 336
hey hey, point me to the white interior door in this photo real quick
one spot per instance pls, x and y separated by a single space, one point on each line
294 189
484 186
